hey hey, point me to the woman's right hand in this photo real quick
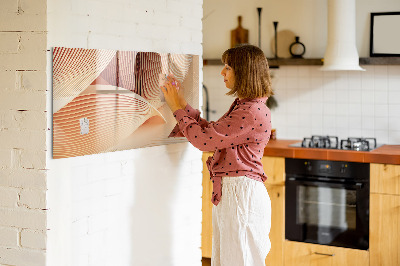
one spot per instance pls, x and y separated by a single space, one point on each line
182 101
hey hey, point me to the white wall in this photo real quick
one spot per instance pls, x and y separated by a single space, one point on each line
135 207
305 18
23 133
311 102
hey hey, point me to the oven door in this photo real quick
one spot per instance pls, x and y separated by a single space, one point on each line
327 213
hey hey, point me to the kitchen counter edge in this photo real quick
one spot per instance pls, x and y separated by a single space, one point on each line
385 154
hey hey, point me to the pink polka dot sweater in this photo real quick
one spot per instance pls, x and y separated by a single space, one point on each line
238 139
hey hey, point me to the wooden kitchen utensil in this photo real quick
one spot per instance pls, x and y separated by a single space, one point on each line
239 35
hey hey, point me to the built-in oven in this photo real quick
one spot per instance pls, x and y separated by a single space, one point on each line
327 202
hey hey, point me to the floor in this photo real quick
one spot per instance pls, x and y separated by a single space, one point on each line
206 261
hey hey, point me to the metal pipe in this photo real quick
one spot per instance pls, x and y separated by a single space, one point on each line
259 26
207 107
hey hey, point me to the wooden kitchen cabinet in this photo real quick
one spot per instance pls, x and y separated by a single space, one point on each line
305 254
206 225
385 178
277 233
384 237
274 168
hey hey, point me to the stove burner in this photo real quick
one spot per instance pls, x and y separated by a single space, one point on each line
328 142
358 144
332 142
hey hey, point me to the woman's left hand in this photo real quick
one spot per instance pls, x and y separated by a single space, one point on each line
171 95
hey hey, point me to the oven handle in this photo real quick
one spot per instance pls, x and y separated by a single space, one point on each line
357 185
324 254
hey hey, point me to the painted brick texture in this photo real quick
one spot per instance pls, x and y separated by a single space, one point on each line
23 218
101 205
123 208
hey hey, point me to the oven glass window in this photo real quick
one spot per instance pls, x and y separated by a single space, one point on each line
326 207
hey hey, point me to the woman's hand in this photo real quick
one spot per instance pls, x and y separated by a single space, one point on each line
180 90
182 100
173 98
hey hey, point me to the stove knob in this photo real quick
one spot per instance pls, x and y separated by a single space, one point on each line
308 166
343 168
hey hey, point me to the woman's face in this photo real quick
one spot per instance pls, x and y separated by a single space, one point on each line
229 76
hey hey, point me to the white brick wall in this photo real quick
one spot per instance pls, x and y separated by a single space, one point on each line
33 239
135 207
9 197
23 132
101 206
9 237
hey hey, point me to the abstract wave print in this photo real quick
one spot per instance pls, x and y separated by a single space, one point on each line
116 91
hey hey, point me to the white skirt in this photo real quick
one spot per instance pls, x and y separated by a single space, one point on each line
241 223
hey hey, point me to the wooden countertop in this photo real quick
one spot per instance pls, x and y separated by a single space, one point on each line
389 154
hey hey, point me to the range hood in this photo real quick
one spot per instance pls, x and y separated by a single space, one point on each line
341 51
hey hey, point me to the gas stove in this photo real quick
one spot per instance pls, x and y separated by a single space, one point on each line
332 142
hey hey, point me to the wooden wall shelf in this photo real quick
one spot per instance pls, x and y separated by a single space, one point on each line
274 63
380 61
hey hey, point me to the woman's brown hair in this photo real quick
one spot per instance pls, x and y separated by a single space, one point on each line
250 66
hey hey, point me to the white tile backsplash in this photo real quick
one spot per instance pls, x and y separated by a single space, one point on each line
380 71
292 83
304 82
381 122
367 110
368 123
381 83
367 82
343 96
304 72
393 71
342 81
291 71
354 132
367 97
394 124
342 109
381 110
343 103
394 97
394 110
355 109
354 80
394 137
382 136
394 83
342 123
381 97
329 109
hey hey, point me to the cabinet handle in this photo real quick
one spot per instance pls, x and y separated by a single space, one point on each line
324 254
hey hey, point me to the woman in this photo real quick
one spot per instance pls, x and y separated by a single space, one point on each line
242 208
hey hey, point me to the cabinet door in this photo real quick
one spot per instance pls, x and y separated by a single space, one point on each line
304 254
385 178
274 168
277 233
384 230
206 232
